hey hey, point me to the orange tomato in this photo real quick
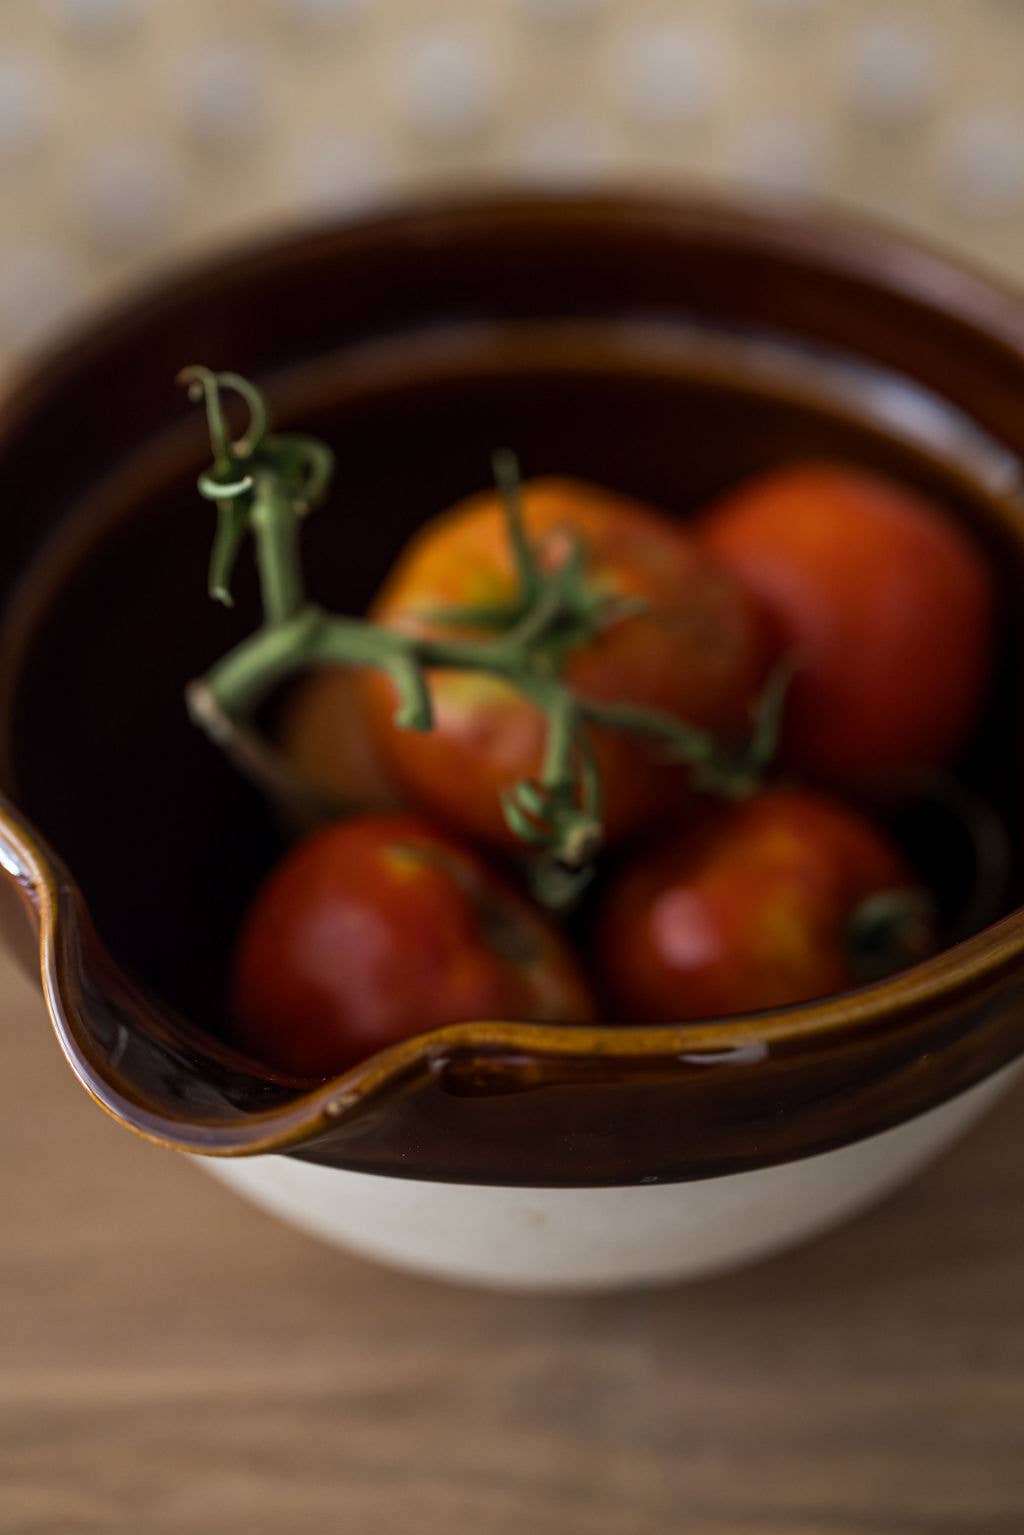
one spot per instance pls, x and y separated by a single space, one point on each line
325 734
885 603
700 652
750 908
381 927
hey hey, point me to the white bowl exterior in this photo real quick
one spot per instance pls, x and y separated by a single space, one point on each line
598 1238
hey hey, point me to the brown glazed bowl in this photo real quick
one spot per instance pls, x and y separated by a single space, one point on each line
664 347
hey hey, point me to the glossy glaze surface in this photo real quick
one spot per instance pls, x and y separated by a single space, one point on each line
665 350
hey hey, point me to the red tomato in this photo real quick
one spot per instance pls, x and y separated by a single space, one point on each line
701 652
750 908
381 927
886 604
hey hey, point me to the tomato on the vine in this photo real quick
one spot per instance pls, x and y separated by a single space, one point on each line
779 899
884 602
699 651
324 733
381 927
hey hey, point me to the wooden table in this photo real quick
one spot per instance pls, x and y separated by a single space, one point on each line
174 1363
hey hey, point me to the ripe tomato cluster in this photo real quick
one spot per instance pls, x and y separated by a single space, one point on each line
394 922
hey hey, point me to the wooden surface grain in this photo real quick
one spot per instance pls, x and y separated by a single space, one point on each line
174 1363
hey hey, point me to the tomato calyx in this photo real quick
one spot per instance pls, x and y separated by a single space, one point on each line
556 609
263 484
888 931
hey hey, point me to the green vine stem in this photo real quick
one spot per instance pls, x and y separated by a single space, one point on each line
263 484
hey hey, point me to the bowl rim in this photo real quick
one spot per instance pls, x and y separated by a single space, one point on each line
850 246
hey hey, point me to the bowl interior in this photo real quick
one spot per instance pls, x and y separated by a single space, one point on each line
165 840
666 349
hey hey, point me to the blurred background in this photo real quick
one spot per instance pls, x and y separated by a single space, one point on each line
133 132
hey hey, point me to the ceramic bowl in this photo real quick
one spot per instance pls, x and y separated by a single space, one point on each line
663 347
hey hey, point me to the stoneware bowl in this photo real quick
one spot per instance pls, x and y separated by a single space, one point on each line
663 347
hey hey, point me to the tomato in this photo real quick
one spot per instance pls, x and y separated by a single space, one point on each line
699 652
381 927
752 907
326 737
885 603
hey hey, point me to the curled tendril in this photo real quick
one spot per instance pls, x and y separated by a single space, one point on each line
552 819
561 813
311 465
204 385
301 466
216 489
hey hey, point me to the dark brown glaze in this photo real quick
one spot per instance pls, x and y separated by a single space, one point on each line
663 348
